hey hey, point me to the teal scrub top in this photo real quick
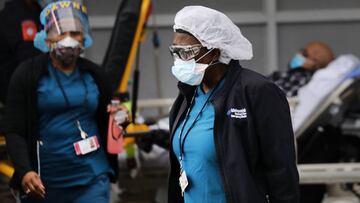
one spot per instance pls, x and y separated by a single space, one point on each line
199 159
59 164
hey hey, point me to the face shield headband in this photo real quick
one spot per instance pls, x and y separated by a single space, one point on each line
61 17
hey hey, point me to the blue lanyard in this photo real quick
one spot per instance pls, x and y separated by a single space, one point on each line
63 90
182 141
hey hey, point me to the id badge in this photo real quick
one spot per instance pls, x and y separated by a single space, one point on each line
86 146
183 181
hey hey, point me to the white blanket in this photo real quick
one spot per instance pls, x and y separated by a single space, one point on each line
322 83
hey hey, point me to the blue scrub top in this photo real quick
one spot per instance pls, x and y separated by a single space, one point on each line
199 159
60 166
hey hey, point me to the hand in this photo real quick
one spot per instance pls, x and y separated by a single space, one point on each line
115 108
120 113
32 185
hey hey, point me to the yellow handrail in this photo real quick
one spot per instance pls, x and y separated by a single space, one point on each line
135 46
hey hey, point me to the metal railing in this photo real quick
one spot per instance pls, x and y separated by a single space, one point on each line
329 173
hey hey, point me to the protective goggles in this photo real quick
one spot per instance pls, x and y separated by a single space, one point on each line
185 52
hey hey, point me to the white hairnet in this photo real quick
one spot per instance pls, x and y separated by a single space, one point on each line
214 30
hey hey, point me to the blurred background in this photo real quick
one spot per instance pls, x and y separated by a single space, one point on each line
277 29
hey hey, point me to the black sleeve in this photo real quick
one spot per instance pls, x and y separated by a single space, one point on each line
5 49
6 63
15 125
174 190
103 116
274 128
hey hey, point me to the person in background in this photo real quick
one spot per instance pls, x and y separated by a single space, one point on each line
19 22
56 115
314 56
231 135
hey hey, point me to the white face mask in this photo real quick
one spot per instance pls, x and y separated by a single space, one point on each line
68 42
190 72
66 50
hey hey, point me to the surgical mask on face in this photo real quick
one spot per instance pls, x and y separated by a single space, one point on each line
66 51
68 42
297 61
190 72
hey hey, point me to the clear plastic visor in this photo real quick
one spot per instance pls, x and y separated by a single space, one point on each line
65 20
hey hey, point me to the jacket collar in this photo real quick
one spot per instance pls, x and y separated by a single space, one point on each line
231 76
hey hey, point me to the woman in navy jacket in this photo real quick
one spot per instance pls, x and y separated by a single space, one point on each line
231 134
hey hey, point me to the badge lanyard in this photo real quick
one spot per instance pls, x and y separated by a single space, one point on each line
63 90
82 132
182 141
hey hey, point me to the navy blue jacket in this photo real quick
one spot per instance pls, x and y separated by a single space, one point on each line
253 136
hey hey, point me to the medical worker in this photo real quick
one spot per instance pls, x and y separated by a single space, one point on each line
231 133
56 119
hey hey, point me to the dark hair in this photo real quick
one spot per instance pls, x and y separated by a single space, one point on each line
187 33
184 32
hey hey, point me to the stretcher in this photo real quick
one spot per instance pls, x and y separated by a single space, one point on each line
333 108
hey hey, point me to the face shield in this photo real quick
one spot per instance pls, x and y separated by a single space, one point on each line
62 17
60 21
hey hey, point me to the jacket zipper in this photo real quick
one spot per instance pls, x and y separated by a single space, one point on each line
267 198
38 143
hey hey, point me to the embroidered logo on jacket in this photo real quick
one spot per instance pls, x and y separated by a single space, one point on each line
237 113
